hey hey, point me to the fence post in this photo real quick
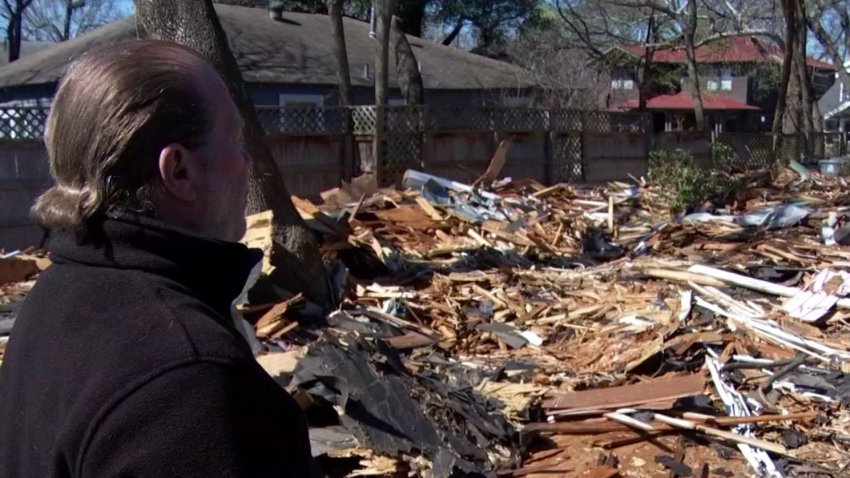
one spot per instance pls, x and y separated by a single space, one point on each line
582 130
649 135
548 158
378 144
348 144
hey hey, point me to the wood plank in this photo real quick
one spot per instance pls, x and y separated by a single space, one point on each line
630 395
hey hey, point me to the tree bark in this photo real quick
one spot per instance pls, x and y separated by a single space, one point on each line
693 72
407 69
806 96
295 255
789 12
340 52
383 13
343 73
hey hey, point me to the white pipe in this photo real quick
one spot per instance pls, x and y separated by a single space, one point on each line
754 284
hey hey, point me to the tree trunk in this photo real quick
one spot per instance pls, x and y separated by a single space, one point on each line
412 15
343 73
407 69
793 120
69 13
693 72
696 94
340 52
295 255
14 35
804 81
383 13
644 73
817 118
787 65
806 96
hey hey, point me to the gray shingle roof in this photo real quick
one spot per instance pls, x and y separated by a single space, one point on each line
297 50
27 49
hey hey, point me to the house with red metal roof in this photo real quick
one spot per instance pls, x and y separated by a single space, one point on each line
739 83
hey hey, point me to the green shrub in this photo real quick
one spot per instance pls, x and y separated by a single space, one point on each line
722 155
682 182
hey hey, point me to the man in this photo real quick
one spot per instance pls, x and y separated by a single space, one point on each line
124 360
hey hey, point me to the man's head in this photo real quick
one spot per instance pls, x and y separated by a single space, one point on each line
145 127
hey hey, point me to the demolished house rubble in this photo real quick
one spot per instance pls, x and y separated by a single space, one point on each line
514 329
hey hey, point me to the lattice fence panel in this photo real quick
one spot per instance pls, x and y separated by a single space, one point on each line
459 119
835 144
817 147
23 123
609 122
304 120
749 150
565 120
364 119
519 120
400 153
567 165
403 119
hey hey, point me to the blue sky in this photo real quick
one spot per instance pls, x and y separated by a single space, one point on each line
126 4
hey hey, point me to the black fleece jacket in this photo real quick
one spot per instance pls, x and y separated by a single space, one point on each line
124 362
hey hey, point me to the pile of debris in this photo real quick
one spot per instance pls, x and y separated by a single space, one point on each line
506 328
612 336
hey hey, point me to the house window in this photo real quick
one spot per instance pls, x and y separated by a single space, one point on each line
719 79
726 79
622 80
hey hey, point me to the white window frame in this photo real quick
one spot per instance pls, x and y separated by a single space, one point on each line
719 79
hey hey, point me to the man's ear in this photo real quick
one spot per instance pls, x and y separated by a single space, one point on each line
179 172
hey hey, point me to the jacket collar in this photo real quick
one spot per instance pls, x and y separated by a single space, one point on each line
213 271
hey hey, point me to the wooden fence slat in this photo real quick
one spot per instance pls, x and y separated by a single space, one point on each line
316 148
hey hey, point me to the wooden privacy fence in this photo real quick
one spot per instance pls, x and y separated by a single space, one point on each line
24 174
317 148
453 142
